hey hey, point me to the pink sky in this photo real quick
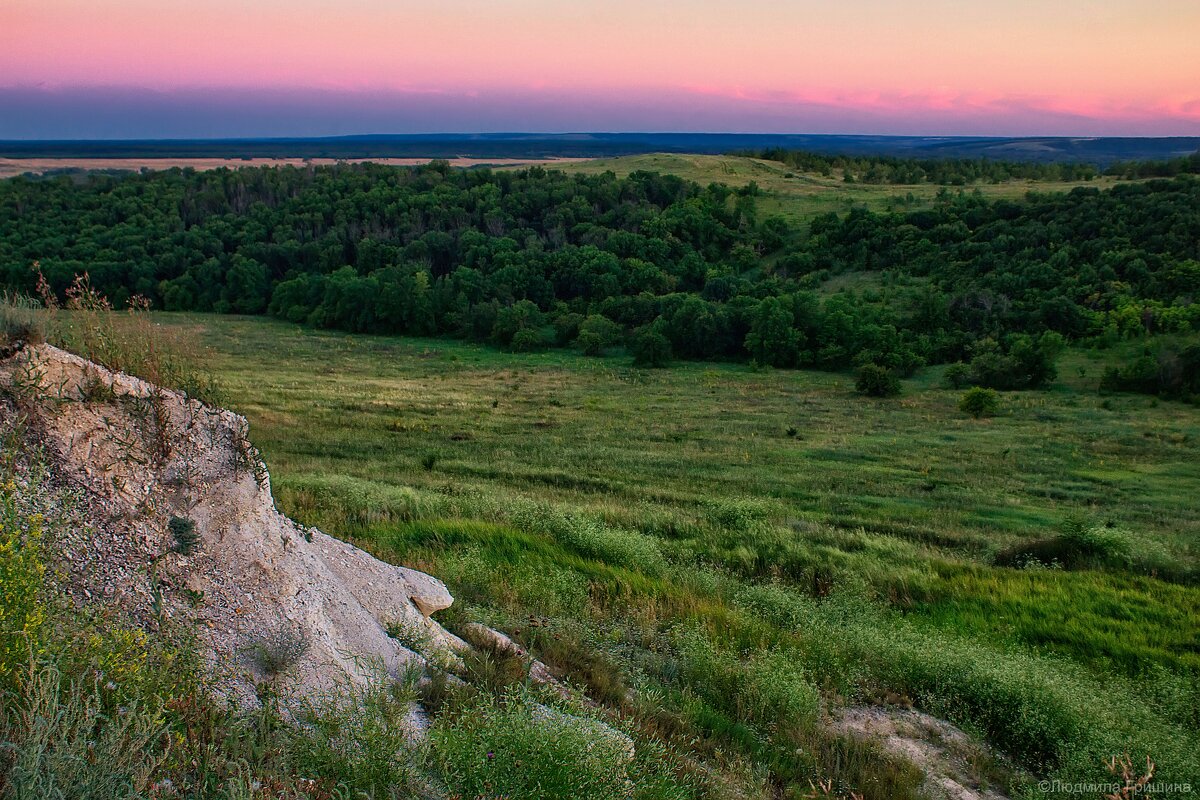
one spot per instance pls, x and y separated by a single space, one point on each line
1104 66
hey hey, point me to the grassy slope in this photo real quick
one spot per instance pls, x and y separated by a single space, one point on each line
803 196
908 497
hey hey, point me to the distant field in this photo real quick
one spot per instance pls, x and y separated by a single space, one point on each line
19 166
799 197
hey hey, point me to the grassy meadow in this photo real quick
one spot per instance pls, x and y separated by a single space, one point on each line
749 549
799 197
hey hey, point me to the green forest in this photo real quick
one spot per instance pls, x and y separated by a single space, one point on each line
877 169
668 269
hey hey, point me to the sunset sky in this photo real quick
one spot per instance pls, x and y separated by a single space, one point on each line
146 68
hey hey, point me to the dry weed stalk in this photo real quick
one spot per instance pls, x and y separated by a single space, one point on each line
1122 767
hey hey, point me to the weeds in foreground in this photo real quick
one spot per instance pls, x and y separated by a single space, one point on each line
123 341
502 748
63 742
21 320
1134 779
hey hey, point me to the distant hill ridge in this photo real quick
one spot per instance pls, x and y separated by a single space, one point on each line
1100 151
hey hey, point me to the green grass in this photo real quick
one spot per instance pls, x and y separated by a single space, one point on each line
623 508
800 197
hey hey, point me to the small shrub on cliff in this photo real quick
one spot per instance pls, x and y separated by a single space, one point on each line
278 650
186 538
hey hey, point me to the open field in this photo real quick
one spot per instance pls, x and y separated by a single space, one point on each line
19 166
798 197
625 510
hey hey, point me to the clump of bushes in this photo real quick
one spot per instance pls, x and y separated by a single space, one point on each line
1018 361
1080 545
509 747
979 402
1169 371
876 381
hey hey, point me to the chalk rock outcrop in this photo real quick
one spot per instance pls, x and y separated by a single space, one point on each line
181 523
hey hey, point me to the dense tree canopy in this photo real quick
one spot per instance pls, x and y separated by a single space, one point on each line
965 171
537 258
944 171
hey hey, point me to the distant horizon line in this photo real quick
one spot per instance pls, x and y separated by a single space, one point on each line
445 134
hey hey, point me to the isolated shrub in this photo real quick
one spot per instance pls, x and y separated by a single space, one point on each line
429 461
650 349
524 315
566 327
957 375
736 514
277 650
776 690
596 333
1082 545
1095 543
529 340
876 381
979 402
1140 375
772 340
1021 361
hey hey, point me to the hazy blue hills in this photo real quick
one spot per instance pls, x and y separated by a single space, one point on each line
1096 150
